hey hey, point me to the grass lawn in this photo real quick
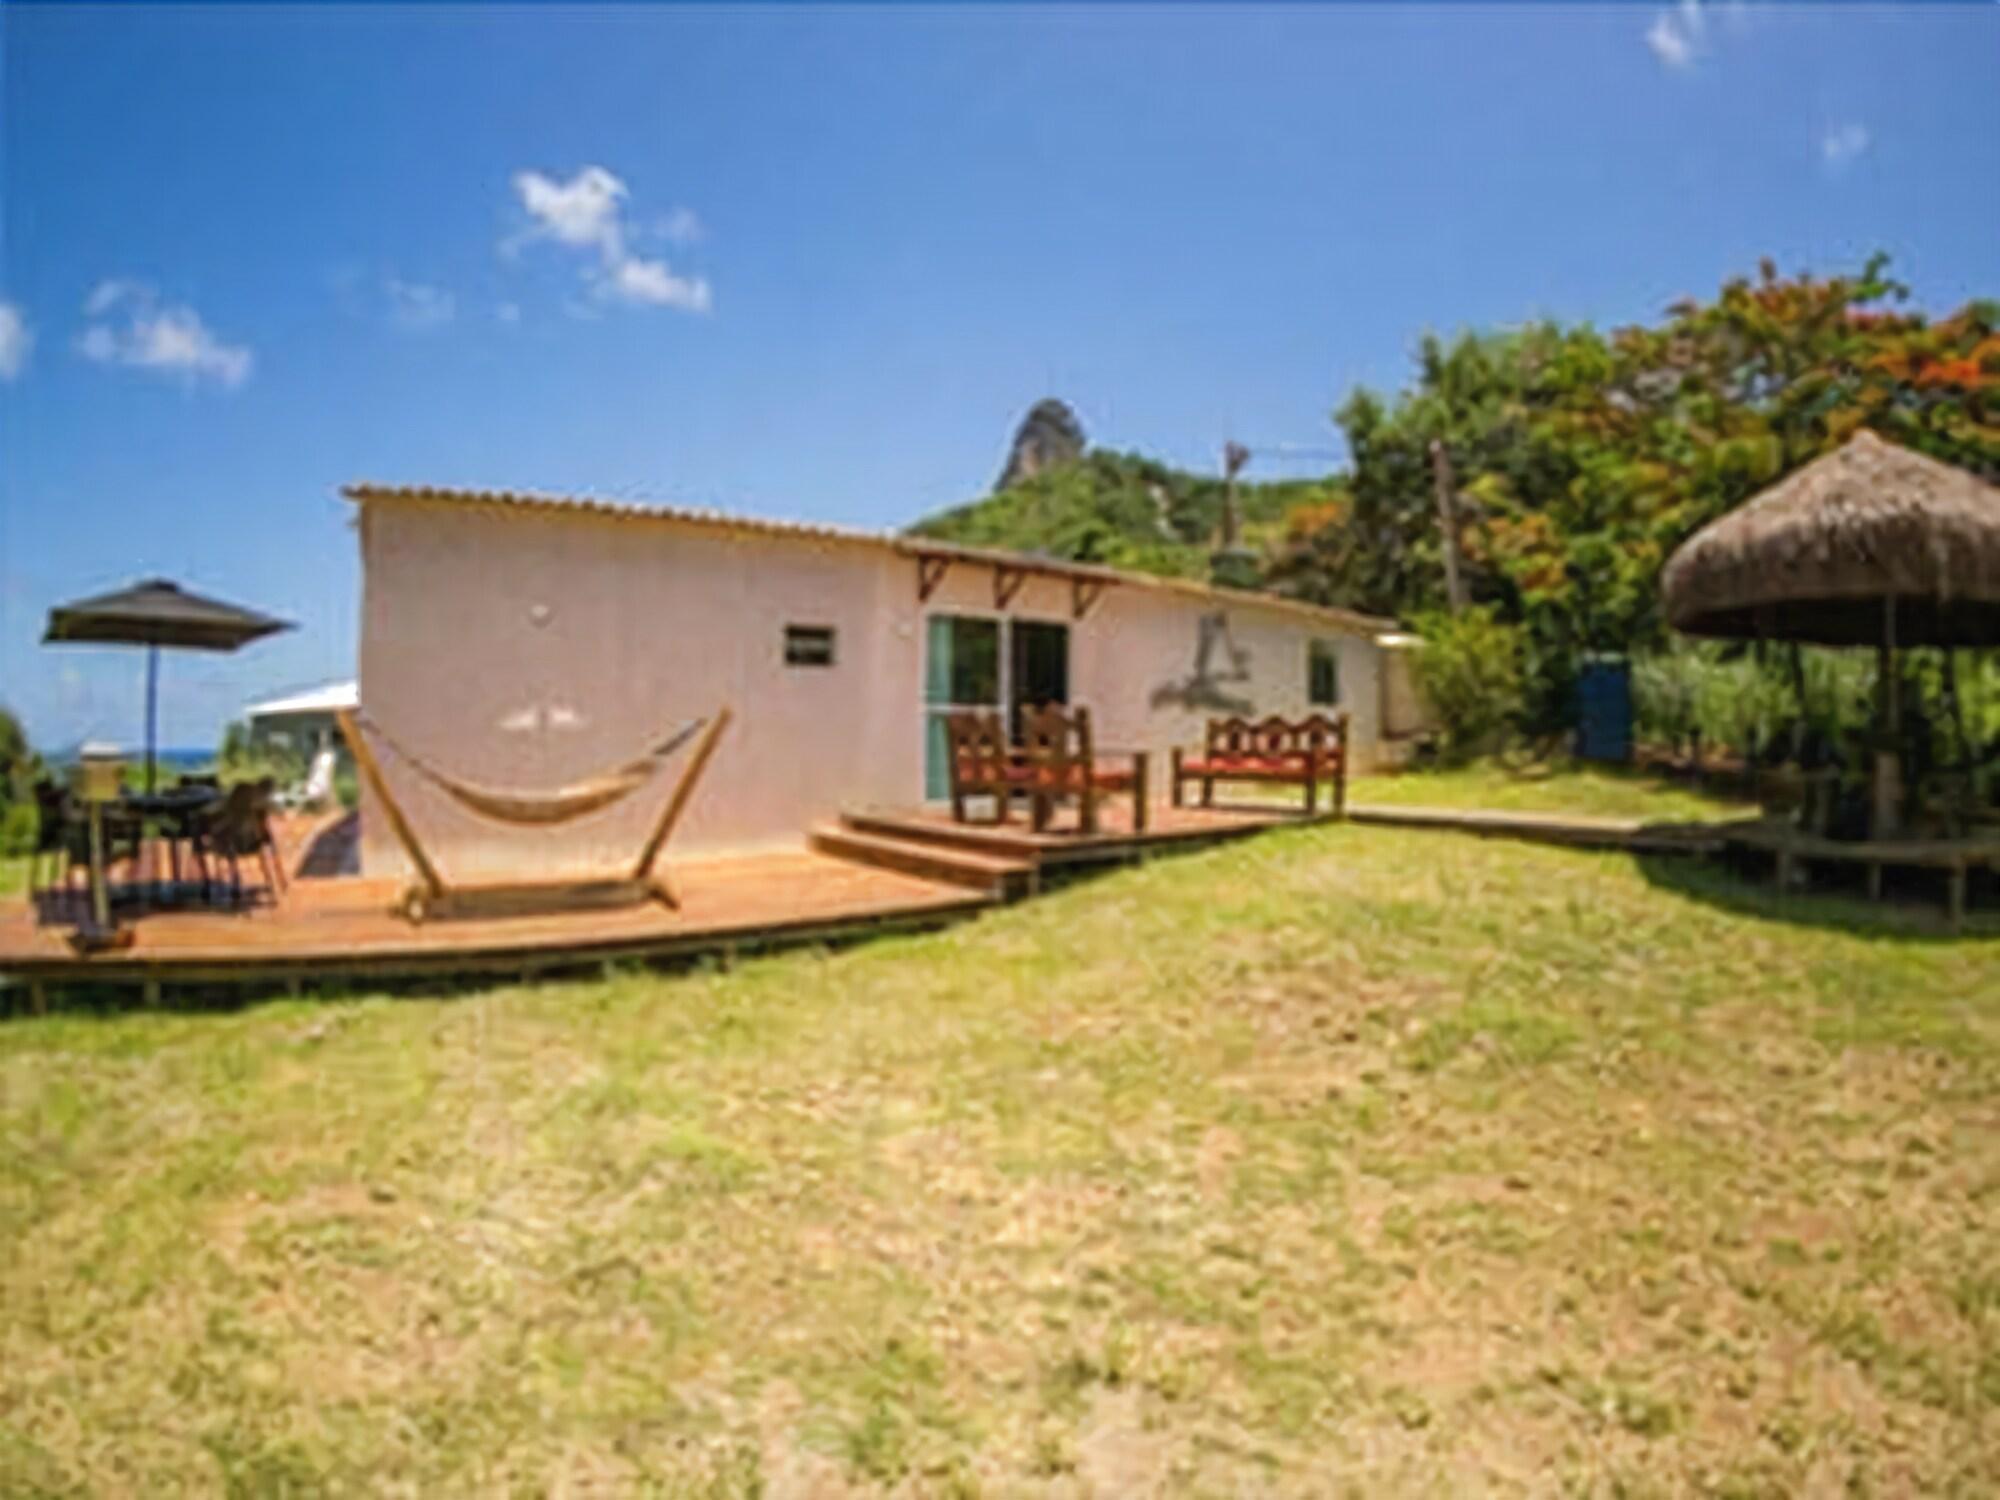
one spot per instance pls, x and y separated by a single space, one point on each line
1339 1161
1560 787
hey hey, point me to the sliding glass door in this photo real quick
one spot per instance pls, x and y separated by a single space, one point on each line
961 670
981 662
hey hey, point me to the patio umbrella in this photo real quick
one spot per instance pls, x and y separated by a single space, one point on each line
1870 545
153 614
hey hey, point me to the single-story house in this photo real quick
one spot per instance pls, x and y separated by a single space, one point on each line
301 722
530 641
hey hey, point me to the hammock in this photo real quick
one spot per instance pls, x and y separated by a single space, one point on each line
536 808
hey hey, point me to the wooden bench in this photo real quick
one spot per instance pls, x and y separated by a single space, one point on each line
1286 752
1057 760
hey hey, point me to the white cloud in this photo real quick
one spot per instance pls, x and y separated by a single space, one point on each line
683 227
1842 143
415 305
508 312
588 213
108 294
17 340
651 282
1679 36
150 335
586 210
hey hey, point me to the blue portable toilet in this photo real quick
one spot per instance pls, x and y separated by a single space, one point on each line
1604 709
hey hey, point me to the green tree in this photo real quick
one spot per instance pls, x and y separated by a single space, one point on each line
18 761
1581 461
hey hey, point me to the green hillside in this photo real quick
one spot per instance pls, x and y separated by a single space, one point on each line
1122 510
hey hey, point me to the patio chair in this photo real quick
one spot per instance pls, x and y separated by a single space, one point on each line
239 828
62 838
1062 763
316 790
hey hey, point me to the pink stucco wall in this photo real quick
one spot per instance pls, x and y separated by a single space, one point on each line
530 649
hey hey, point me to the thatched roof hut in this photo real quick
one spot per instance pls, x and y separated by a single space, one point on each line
1814 557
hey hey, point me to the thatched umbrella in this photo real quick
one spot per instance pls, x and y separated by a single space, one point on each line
1871 545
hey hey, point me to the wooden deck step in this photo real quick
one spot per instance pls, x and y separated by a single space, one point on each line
995 874
970 838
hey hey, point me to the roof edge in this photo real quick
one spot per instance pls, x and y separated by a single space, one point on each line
541 503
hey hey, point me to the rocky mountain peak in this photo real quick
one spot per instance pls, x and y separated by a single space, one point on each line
1049 435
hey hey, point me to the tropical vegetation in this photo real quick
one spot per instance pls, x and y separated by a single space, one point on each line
19 765
1578 460
1125 511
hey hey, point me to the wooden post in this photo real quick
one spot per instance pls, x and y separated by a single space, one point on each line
371 772
152 712
1888 764
676 805
1795 661
1340 771
100 896
1447 509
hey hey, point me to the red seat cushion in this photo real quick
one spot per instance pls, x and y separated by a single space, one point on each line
1254 765
987 773
1070 778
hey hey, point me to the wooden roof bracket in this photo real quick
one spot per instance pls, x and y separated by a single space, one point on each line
1006 584
1083 593
930 573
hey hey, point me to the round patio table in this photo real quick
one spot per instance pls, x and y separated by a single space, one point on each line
174 815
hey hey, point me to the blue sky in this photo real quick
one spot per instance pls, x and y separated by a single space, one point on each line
816 262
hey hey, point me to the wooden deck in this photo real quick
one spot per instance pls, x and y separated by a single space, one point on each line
343 926
1792 851
895 868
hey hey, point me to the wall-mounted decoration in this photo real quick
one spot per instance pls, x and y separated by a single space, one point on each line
1218 660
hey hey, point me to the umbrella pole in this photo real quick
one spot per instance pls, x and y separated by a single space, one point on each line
152 709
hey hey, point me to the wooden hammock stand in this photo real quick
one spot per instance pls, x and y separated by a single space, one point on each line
429 896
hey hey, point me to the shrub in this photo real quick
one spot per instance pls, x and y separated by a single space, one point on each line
1736 698
244 758
1471 675
19 823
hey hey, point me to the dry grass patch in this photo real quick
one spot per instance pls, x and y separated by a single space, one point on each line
1339 1160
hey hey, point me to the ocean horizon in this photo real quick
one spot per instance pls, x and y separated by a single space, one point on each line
179 758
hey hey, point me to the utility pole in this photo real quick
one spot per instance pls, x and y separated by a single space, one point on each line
1232 564
1234 457
1447 508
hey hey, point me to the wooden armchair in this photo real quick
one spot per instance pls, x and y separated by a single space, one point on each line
1061 761
981 763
